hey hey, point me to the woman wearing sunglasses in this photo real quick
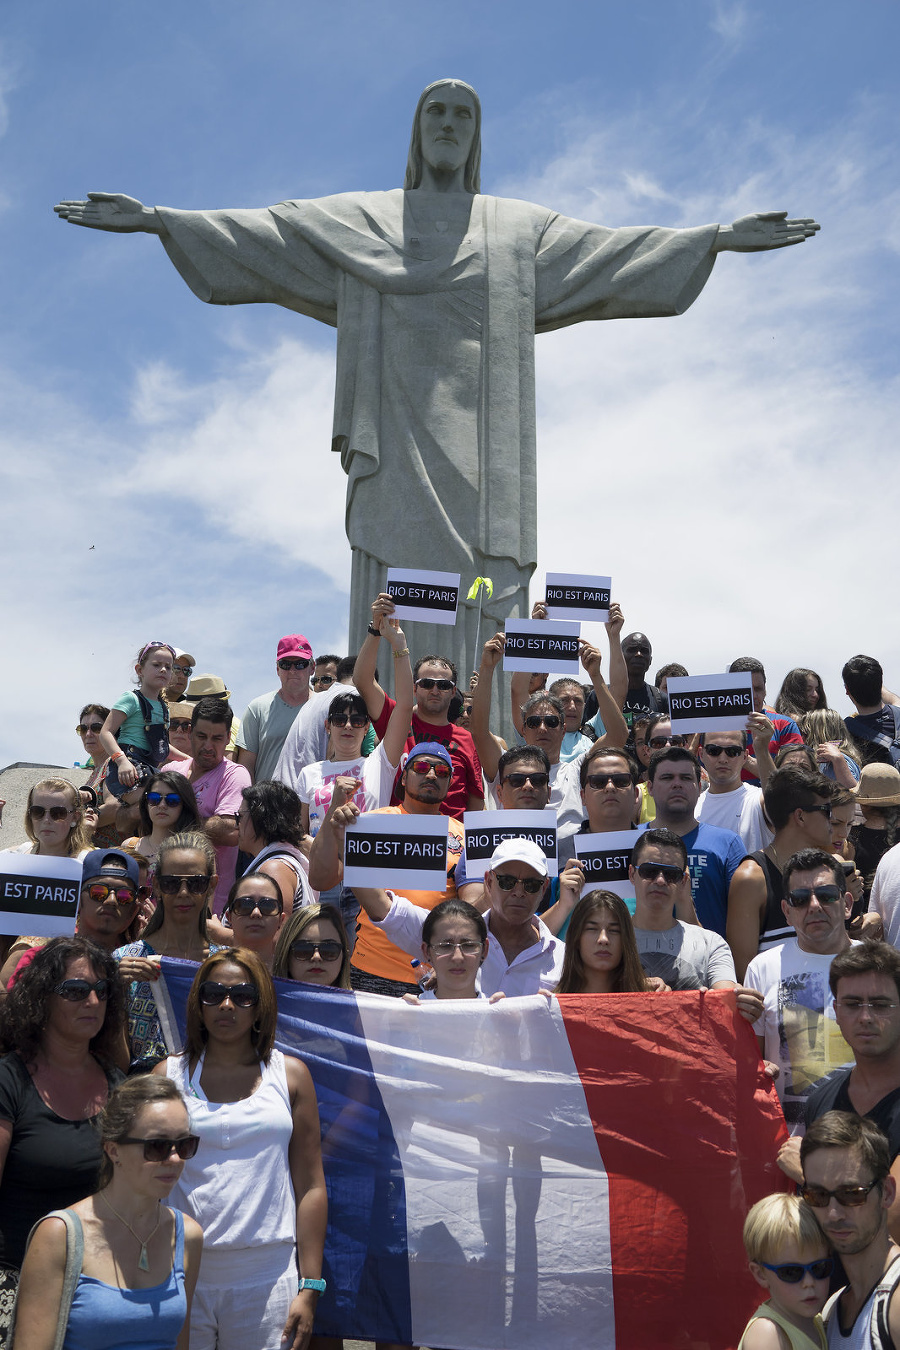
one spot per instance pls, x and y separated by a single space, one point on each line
255 912
183 887
256 1186
140 1257
270 829
167 806
55 821
62 1026
346 724
312 947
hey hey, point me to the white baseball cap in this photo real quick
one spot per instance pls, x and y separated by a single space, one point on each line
520 850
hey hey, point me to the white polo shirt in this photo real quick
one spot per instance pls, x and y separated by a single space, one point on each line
537 967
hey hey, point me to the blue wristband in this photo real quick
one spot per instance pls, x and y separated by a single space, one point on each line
318 1285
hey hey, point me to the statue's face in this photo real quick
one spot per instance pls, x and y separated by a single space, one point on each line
447 126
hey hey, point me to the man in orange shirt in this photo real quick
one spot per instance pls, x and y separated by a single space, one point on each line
380 967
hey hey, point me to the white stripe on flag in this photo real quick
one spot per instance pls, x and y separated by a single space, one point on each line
506 1193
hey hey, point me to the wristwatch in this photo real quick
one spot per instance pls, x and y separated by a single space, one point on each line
376 632
318 1285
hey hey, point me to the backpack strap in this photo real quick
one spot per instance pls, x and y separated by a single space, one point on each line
147 711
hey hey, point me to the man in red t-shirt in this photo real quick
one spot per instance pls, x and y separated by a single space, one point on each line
435 684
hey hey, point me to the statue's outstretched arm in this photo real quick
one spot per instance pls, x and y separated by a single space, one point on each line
111 211
765 230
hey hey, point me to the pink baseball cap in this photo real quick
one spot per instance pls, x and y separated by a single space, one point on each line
295 644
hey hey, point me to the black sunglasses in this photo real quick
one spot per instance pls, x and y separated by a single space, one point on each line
851 1197
826 895
507 882
54 812
536 720
427 683
297 663
76 991
535 778
600 780
244 905
660 742
329 950
171 884
160 1150
732 751
649 871
241 995
356 720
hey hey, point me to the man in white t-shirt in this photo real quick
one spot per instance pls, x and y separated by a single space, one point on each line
798 1031
728 803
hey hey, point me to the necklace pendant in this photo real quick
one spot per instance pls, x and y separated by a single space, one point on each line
143 1263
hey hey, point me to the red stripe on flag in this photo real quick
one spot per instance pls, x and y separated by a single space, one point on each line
688 1127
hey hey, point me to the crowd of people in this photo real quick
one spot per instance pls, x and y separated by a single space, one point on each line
762 860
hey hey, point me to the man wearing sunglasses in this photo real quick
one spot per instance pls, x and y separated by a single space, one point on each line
847 1184
523 955
714 855
798 804
676 949
435 688
865 983
798 1030
182 670
728 802
269 718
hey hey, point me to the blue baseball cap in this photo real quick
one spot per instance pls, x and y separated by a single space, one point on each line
433 748
110 863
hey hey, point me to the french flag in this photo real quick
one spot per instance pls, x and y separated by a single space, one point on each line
562 1172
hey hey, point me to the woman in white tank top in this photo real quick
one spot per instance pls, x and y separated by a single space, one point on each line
256 1186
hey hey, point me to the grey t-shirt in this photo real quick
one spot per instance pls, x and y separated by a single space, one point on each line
685 956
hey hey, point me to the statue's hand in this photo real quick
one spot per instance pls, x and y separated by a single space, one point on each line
110 211
765 230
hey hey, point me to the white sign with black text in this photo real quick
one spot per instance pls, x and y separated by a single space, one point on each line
429 597
709 702
38 894
485 829
573 596
397 852
605 858
540 645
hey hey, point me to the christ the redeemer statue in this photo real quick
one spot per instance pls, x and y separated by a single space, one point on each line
437 292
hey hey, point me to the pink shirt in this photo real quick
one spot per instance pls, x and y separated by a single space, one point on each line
218 793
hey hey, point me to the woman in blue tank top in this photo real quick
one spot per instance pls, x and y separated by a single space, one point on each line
140 1259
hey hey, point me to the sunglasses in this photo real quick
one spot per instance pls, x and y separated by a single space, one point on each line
54 812
825 808
84 727
469 948
323 681
826 895
425 766
99 892
851 1197
242 995
427 683
304 949
536 720
660 742
160 1150
732 752
152 646
170 798
507 882
536 779
297 663
171 885
600 780
180 724
76 991
244 905
356 720
186 671
649 871
793 1272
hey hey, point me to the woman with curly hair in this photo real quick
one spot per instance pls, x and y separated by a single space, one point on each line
62 1026
270 829
801 691
601 952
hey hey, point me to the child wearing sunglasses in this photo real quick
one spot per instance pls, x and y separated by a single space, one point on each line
789 1259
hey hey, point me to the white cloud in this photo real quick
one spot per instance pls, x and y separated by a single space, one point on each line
729 20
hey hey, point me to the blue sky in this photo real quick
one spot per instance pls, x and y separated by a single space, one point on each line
726 467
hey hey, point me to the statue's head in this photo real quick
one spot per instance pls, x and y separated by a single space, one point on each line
433 93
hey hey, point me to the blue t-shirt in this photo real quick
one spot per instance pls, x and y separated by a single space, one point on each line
714 856
132 732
